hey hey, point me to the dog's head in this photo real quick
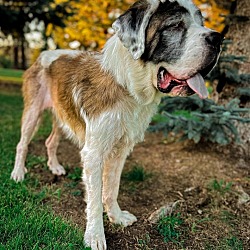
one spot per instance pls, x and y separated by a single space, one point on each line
170 34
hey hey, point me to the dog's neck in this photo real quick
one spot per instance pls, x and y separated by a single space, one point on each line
133 75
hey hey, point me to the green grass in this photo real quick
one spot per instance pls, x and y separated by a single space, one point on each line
144 242
25 223
11 75
220 186
136 174
76 174
168 227
231 243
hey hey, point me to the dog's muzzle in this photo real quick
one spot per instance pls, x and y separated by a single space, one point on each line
166 83
214 39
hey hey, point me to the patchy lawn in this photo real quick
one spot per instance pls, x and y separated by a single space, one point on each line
210 188
12 76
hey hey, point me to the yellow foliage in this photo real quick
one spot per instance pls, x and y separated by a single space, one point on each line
49 29
214 14
90 25
34 55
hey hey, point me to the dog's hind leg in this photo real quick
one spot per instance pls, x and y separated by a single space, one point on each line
52 145
30 121
111 182
35 95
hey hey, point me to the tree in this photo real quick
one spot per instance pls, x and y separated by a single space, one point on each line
233 66
214 13
238 31
91 23
16 15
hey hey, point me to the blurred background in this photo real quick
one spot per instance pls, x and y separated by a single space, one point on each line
28 27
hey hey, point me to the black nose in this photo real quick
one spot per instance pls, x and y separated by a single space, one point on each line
214 39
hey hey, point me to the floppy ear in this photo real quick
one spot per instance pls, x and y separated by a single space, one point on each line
131 26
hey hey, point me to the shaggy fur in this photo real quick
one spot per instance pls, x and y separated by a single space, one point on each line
105 101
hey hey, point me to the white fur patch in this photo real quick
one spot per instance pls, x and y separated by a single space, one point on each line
188 4
76 94
138 78
47 57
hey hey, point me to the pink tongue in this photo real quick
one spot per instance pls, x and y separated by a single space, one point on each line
197 84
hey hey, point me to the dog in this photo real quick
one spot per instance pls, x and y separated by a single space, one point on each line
105 101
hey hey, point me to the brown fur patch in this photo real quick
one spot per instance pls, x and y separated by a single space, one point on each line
96 90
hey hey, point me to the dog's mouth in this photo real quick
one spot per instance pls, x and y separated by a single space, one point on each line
167 83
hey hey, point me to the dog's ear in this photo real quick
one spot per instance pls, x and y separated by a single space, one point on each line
131 26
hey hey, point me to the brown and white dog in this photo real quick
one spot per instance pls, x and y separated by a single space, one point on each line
105 101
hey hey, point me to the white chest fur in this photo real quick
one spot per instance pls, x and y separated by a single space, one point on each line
121 127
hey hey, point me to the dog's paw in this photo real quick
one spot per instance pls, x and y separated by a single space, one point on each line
18 174
95 240
57 170
124 218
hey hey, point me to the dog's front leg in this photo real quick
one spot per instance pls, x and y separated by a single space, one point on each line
92 176
111 182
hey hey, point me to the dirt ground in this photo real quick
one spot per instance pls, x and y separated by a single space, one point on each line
178 171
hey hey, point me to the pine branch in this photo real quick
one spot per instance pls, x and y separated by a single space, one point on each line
195 119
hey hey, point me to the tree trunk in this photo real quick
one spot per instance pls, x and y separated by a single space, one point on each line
15 54
23 56
239 33
237 30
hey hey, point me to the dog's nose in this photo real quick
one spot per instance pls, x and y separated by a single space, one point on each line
214 39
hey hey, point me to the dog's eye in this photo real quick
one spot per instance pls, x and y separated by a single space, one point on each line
177 26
